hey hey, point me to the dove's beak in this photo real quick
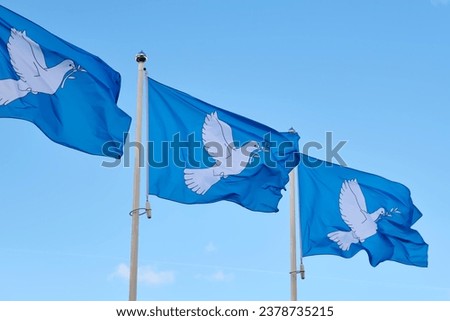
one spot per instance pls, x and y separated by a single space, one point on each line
256 151
262 148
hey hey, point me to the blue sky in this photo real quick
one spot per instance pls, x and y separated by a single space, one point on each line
373 73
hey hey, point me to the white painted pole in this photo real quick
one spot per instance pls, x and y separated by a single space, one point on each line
146 105
140 59
293 242
302 267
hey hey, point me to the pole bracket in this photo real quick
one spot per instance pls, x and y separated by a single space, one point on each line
140 211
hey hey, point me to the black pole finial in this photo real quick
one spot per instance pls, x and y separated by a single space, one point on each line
141 57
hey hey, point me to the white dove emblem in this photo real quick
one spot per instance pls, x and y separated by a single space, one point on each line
363 224
35 77
218 141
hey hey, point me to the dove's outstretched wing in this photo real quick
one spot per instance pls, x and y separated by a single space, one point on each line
217 137
26 55
352 204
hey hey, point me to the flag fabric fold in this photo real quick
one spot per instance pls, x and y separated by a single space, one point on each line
344 211
70 94
199 153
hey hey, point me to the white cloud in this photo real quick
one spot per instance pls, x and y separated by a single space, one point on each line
149 276
210 247
146 274
221 276
440 2
218 276
121 272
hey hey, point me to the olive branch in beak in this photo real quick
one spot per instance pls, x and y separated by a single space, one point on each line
70 74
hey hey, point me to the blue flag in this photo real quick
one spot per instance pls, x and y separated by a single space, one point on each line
67 92
200 153
343 211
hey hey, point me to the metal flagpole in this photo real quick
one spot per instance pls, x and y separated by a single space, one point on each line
141 58
302 267
293 271
293 242
148 210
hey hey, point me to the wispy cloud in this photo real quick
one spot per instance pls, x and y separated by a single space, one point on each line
218 276
440 2
121 272
149 276
146 275
210 247
221 276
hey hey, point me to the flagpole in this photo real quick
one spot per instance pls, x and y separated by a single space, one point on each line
292 194
302 267
141 58
148 210
293 271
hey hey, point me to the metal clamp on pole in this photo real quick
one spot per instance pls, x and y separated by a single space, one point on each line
141 211
148 210
301 271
